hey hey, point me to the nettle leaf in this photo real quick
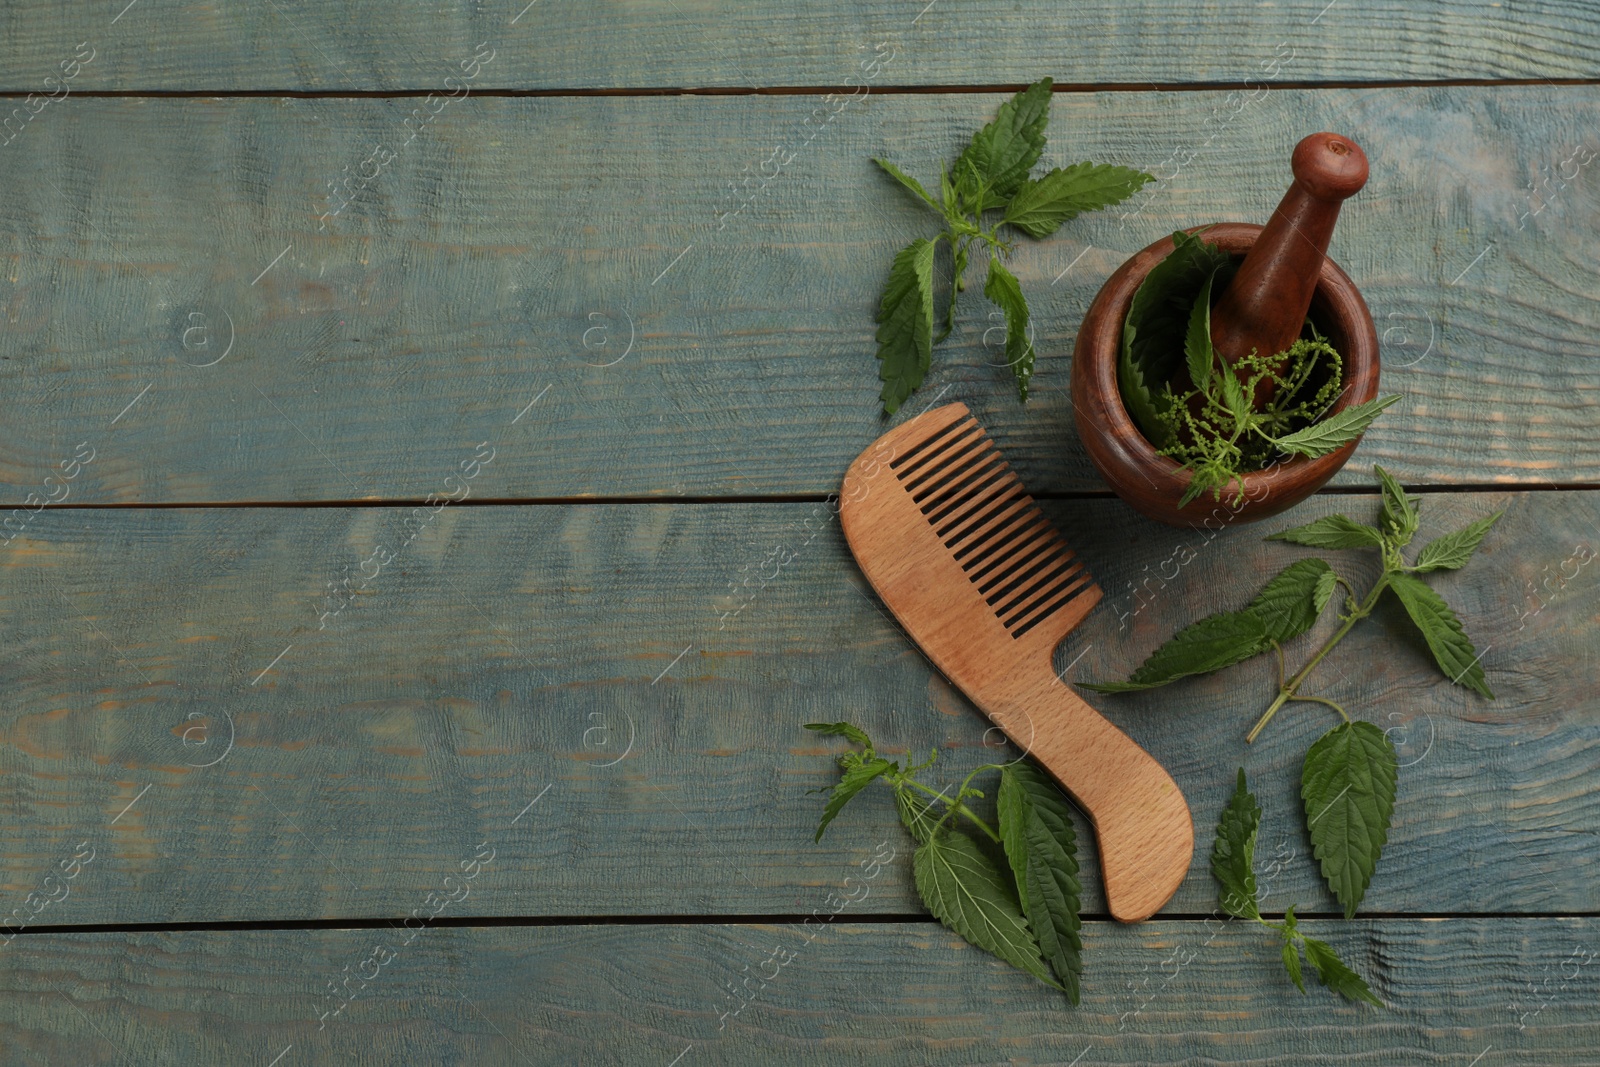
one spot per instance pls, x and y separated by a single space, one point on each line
958 270
1158 316
1004 151
1452 551
1040 207
950 203
909 182
1037 833
1003 289
1215 642
916 815
1399 515
905 317
1291 950
1290 603
1012 806
1332 973
1233 396
1234 851
1326 583
1335 431
1142 405
855 778
1331 531
1197 341
1452 649
842 729
966 892
1291 963
1347 784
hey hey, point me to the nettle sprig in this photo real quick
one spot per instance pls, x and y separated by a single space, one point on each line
1347 782
1233 865
990 175
1013 891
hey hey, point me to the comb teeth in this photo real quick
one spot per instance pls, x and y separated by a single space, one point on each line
976 505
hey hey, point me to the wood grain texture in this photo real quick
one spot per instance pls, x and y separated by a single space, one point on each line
960 554
652 666
1166 992
517 244
552 45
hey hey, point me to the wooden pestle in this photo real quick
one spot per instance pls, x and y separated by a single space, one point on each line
1265 305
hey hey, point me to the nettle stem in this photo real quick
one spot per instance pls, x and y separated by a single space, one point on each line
1290 690
955 805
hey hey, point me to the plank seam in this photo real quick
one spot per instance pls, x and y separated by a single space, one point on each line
745 919
812 90
748 498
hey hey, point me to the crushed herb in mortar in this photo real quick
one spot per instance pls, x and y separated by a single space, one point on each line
1201 412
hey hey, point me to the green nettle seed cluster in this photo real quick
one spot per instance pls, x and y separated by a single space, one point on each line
1013 890
990 175
1200 411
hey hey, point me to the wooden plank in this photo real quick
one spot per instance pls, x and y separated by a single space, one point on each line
1506 991
524 245
639 674
549 45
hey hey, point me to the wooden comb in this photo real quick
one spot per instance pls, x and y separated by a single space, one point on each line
985 585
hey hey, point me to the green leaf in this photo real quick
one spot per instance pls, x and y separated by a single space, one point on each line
909 182
1332 972
1452 649
1291 950
854 780
1291 961
1289 604
958 269
1399 516
964 889
1204 477
1452 551
1335 431
1002 288
916 815
842 729
1215 642
1038 208
1331 531
949 201
1234 851
1233 397
905 318
1004 151
1197 342
1136 396
1037 833
1014 810
1347 784
1326 582
1158 316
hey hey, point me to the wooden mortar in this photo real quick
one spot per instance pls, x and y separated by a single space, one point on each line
1252 315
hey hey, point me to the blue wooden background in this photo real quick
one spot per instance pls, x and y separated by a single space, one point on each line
274 273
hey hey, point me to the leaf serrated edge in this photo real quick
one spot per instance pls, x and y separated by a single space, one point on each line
1332 854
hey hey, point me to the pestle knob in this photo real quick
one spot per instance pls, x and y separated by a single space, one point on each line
1265 305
